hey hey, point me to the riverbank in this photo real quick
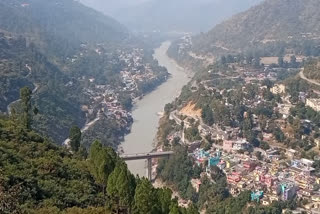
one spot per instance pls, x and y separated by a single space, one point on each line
145 111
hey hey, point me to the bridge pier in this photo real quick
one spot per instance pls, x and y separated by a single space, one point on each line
148 157
149 168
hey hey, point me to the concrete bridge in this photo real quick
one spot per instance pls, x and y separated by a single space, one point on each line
148 157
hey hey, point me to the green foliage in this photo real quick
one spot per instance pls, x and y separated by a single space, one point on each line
279 135
126 102
37 176
271 19
75 138
311 70
178 169
207 115
37 173
102 162
304 112
25 96
164 196
192 133
121 185
145 198
62 36
296 85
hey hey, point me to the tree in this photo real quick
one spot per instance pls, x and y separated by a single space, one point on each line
207 115
102 162
293 61
277 132
164 197
259 155
9 199
145 198
192 209
25 96
121 185
280 62
75 138
126 102
174 209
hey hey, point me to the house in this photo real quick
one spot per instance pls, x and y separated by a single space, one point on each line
291 153
240 145
317 142
314 104
315 198
278 89
265 202
304 193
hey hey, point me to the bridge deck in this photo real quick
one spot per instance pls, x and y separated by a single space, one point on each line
128 157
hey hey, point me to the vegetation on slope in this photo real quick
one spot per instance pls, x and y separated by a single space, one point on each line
40 177
290 23
58 26
312 70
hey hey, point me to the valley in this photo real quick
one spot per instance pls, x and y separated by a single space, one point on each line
146 111
228 119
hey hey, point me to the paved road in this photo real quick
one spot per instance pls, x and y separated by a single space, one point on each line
302 76
127 157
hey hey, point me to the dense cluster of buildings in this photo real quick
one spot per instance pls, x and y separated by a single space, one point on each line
105 99
277 173
268 180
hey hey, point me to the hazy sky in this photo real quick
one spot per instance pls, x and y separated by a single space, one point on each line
170 15
111 6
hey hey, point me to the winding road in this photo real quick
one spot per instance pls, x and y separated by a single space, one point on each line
302 76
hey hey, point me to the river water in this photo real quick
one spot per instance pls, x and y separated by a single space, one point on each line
145 113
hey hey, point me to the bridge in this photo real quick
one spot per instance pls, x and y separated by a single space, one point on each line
147 156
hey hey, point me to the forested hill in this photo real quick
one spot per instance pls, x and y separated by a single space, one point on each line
38 177
58 24
287 21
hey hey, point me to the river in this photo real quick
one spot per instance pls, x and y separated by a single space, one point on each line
145 112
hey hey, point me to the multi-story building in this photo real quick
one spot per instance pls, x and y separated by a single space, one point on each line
278 89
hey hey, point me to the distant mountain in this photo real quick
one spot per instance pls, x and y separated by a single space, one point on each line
175 15
274 25
58 23
111 6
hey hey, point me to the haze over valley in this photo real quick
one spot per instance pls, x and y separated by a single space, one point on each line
167 16
159 106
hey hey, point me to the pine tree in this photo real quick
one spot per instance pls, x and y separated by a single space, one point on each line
121 185
145 199
25 96
102 162
164 197
75 138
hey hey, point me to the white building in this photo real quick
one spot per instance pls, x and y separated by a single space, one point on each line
314 104
278 89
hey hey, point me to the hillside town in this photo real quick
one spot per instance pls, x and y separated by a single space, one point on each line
135 75
270 147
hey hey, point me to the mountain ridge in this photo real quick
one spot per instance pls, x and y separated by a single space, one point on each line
271 21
